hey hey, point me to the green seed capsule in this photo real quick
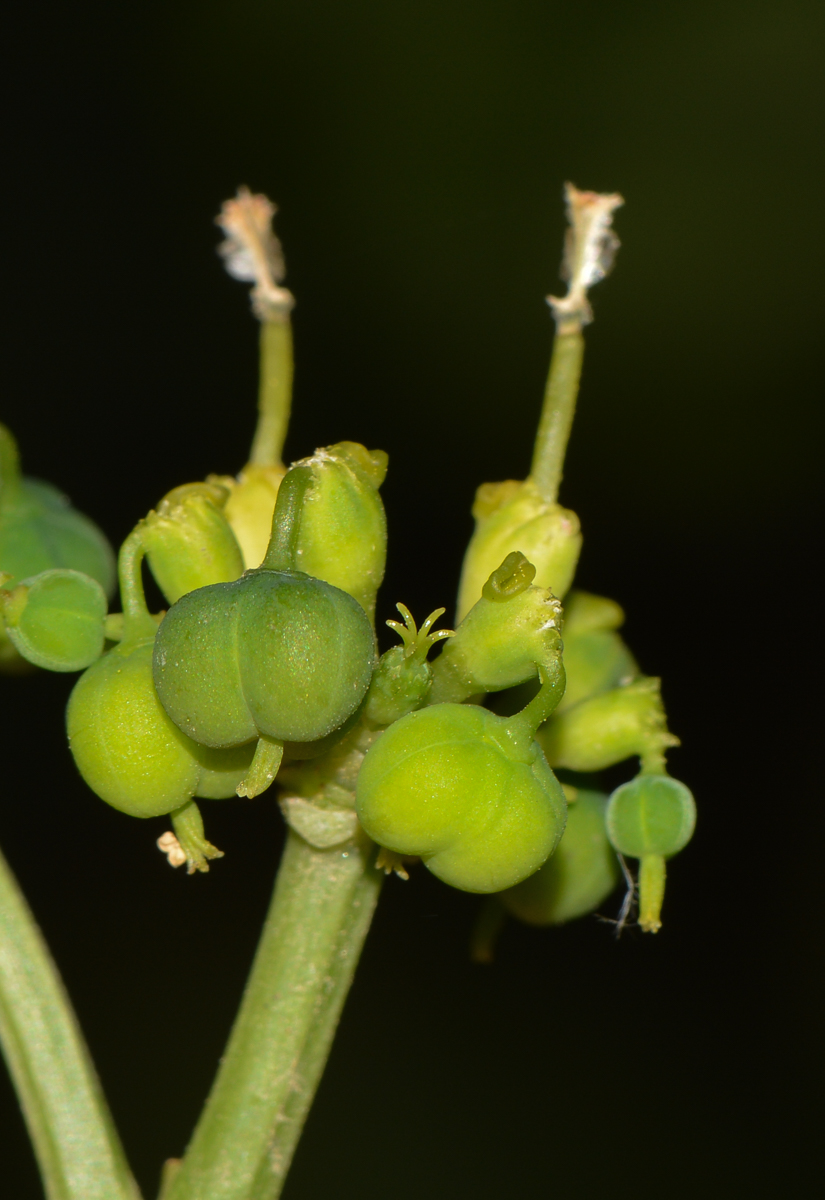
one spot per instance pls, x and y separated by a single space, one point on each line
276 655
503 638
39 530
606 729
189 543
467 791
651 818
56 619
125 746
514 516
127 749
343 531
578 878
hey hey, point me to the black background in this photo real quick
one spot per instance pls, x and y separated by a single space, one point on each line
417 153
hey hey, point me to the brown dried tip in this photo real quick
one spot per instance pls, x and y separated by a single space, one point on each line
252 252
589 250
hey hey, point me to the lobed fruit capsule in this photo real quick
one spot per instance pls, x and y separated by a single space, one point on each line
467 791
580 875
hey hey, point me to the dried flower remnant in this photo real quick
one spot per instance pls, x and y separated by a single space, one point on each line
589 251
252 252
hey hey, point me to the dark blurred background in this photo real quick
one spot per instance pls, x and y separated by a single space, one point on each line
417 152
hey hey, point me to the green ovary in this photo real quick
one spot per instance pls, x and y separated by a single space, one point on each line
443 784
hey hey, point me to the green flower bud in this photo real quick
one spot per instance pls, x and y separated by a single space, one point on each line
651 818
578 878
188 541
505 635
467 791
343 532
56 619
403 678
605 729
275 655
250 507
39 530
514 516
595 657
586 613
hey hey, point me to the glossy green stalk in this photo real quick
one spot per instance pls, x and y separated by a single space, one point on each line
275 392
77 1148
312 938
557 414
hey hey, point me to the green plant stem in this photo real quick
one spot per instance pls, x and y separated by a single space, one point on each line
75 1141
557 413
274 394
312 938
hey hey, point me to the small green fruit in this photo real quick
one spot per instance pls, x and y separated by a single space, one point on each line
454 786
56 619
651 818
274 654
127 749
578 878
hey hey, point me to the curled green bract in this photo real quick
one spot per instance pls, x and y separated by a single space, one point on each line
56 619
467 791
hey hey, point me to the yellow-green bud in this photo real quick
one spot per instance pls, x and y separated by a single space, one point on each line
595 657
608 728
189 543
343 533
514 516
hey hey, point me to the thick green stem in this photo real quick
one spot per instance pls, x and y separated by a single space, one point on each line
77 1147
274 394
557 414
320 914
